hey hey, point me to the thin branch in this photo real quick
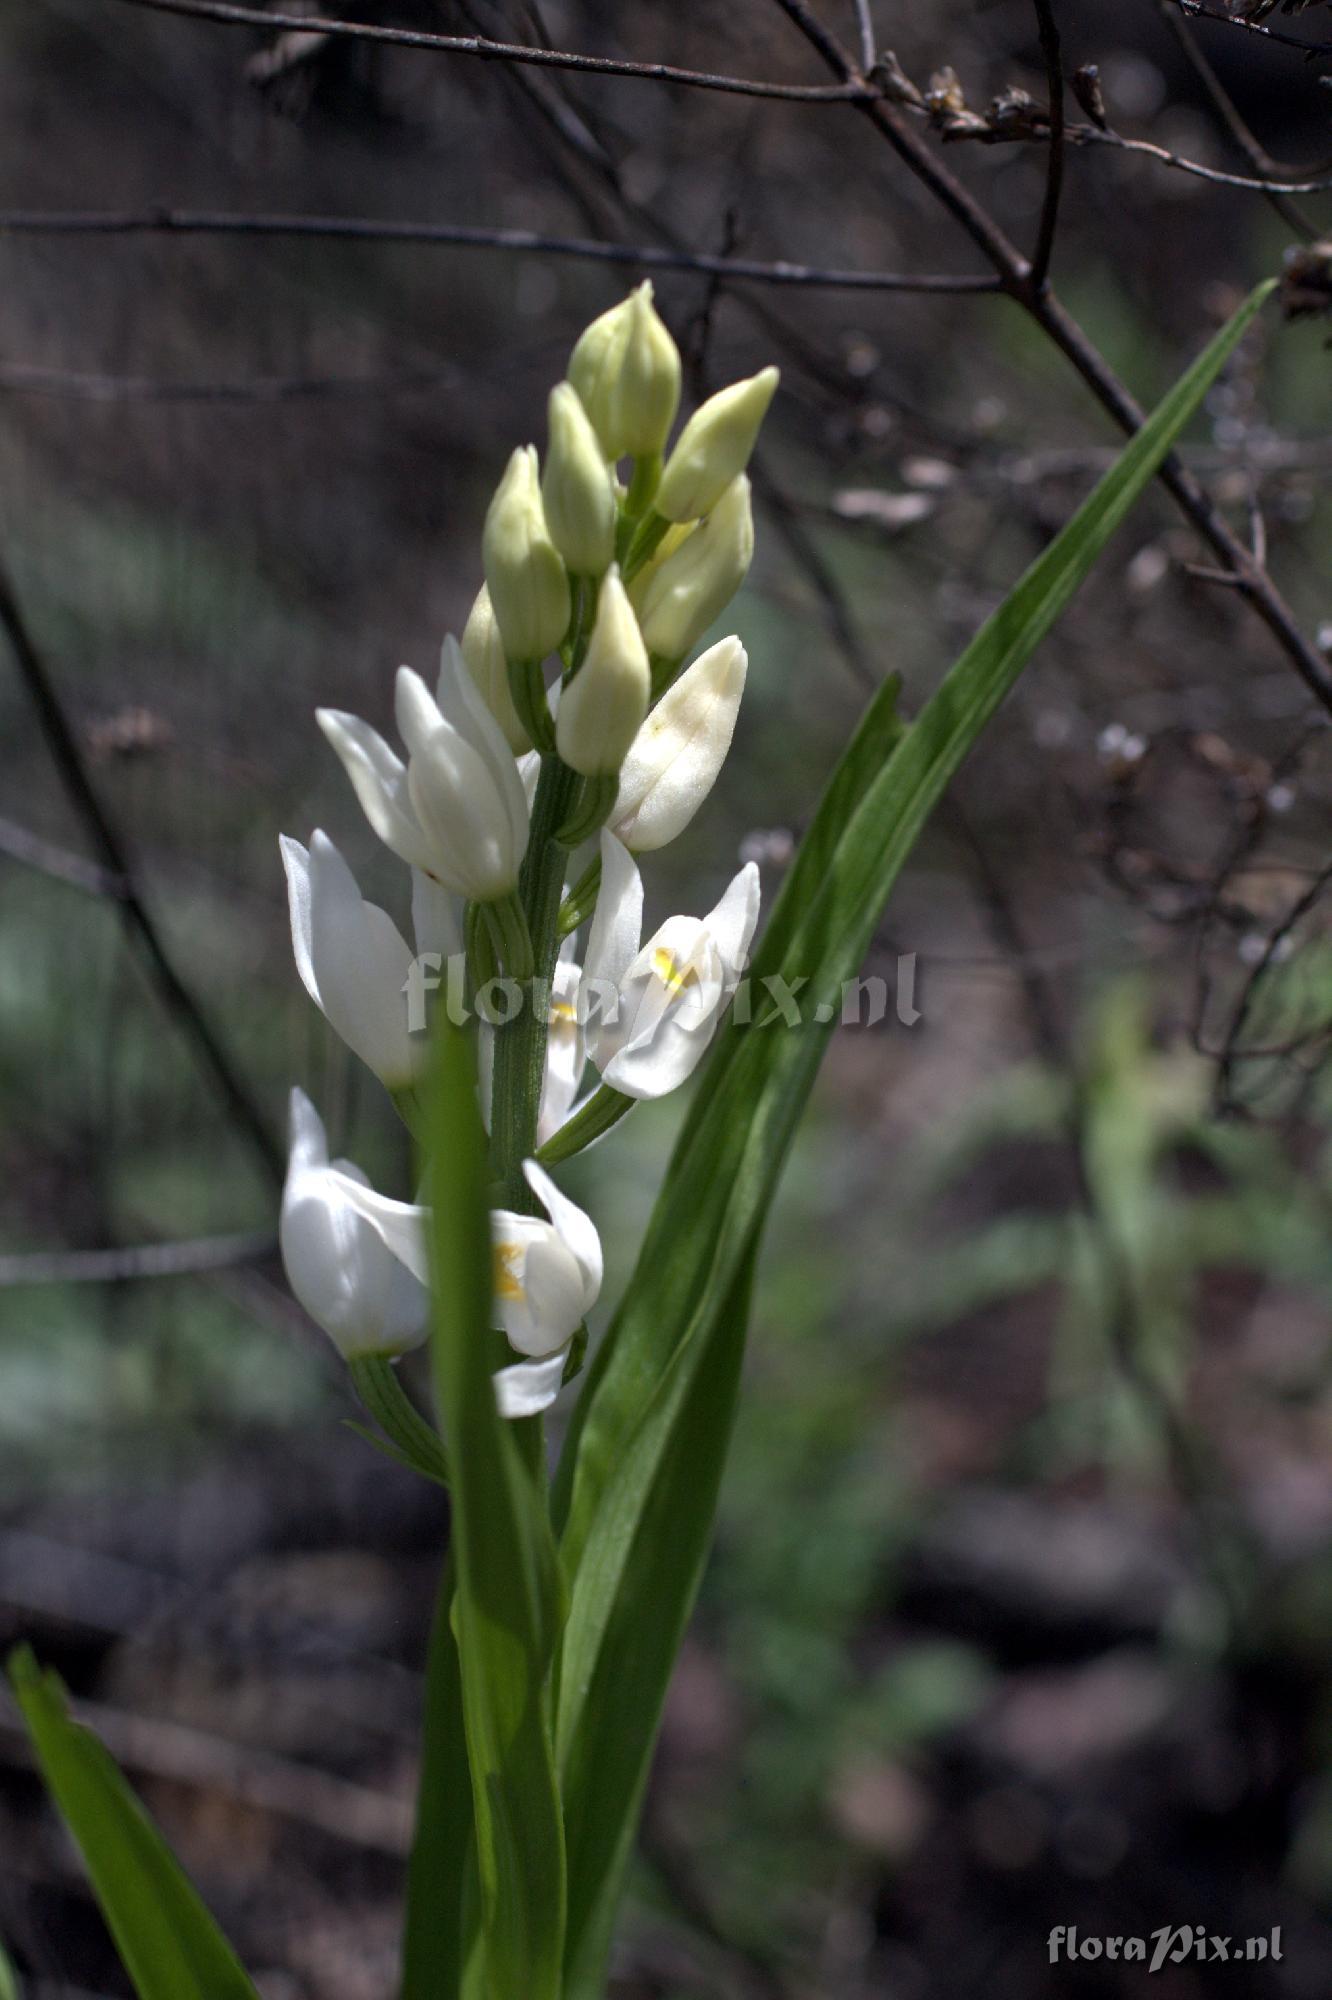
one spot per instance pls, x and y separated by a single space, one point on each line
22 378
228 15
865 29
138 1260
35 852
1231 1052
68 758
1054 171
190 222
1200 13
1227 111
1067 335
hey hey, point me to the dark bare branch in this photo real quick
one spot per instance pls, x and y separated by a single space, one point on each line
359 229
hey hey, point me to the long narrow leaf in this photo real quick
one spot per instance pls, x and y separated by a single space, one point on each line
170 1945
437 1935
722 1179
504 1606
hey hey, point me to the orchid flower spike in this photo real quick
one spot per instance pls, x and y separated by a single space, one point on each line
353 960
651 1010
547 1276
674 760
457 808
336 1261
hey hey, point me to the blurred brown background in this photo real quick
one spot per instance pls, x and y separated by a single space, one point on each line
1019 1615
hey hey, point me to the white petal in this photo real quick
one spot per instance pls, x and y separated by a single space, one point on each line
434 916
296 862
576 1230
555 1291
309 1141
566 1052
360 962
617 926
462 704
336 1264
733 920
400 1225
530 1386
379 779
677 754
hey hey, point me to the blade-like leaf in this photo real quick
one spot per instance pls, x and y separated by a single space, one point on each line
505 1603
170 1945
641 1440
437 1934
9 1984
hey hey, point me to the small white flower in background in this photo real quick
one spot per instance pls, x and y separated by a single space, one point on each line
546 1276
713 447
603 707
692 581
651 1010
674 760
336 1261
457 808
525 574
483 655
352 958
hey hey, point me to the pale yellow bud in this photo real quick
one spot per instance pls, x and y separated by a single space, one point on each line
713 447
678 597
602 708
528 584
576 489
647 393
483 652
594 370
626 369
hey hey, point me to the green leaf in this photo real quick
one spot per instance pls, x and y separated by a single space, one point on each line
640 1441
170 1945
9 1983
506 1604
439 1934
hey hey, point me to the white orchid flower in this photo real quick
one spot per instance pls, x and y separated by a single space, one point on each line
674 760
457 808
547 1275
336 1261
352 958
651 1010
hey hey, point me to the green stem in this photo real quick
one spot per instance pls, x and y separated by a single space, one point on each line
398 1417
593 804
509 935
643 485
605 1107
644 544
581 900
520 1045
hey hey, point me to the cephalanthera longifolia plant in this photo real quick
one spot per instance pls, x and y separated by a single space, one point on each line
563 1601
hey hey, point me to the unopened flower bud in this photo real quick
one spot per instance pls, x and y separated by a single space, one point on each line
713 447
626 369
675 758
594 370
576 488
603 707
678 597
483 651
647 393
528 584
